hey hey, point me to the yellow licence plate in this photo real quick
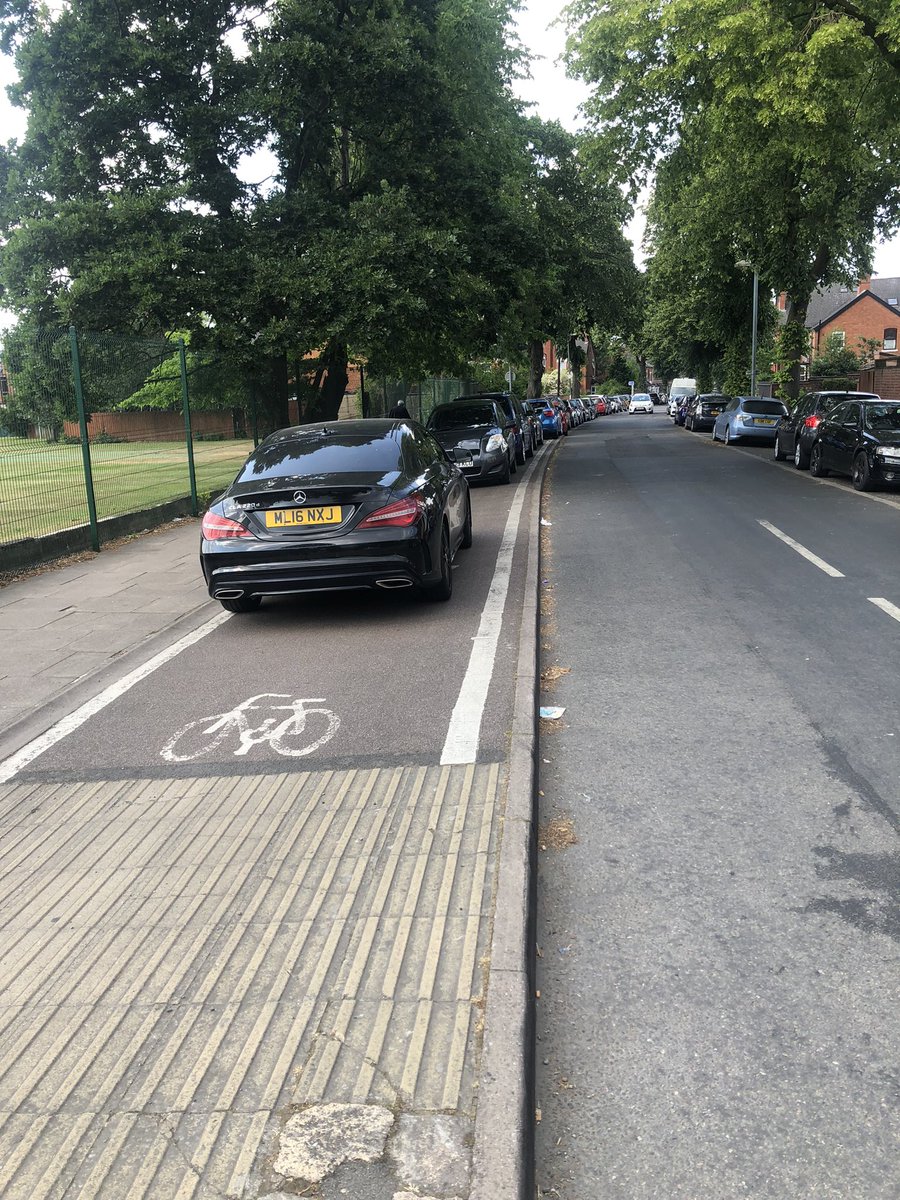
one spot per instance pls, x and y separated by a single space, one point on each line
760 421
290 518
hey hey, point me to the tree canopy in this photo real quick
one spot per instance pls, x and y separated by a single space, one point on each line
412 216
778 120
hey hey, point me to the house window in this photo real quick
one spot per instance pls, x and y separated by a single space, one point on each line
838 335
889 341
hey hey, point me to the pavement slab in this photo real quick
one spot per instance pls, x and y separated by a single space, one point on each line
196 970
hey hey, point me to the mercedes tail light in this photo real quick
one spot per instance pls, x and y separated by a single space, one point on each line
214 528
812 421
400 513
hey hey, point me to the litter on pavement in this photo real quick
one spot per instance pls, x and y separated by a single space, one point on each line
551 714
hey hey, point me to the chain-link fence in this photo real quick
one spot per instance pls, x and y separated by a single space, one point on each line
96 427
419 395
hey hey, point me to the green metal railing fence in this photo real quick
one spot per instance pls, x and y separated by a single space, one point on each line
97 426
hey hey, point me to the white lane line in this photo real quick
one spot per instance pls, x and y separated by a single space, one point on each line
12 765
885 605
461 744
802 550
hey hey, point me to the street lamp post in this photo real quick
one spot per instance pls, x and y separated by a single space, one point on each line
744 263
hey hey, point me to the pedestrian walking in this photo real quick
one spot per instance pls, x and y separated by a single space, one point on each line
400 410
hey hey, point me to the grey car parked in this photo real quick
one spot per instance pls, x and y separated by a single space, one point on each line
796 432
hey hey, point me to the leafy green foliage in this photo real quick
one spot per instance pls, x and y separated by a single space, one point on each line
413 218
776 133
836 358
582 275
391 228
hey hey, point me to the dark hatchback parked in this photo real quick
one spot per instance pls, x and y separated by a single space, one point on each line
515 426
331 507
859 438
701 411
477 436
797 431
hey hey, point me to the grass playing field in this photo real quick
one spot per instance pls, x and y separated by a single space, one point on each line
42 484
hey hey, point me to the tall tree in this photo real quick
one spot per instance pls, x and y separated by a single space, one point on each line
699 307
581 267
785 114
391 229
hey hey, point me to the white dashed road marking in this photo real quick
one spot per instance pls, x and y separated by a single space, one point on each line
885 605
802 550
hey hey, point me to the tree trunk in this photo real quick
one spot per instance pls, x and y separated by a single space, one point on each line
793 339
327 402
271 395
535 369
575 365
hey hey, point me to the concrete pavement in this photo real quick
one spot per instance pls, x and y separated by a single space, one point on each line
307 982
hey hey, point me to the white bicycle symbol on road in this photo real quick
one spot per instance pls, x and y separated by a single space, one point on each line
283 734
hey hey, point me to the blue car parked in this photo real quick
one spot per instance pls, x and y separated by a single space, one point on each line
551 421
747 417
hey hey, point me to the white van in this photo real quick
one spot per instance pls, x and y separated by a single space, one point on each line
679 388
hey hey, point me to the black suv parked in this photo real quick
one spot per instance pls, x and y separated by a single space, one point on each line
521 432
797 431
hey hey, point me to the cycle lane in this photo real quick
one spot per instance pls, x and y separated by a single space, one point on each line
388 666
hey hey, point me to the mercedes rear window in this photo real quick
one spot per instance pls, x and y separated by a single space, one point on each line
764 408
326 454
462 415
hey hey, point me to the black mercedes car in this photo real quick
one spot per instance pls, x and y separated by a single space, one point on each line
479 436
859 438
336 506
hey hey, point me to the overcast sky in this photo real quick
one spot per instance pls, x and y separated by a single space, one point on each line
555 97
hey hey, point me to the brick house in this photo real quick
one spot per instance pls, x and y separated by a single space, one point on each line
872 311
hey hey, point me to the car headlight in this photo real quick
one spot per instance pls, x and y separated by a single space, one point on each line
888 451
495 442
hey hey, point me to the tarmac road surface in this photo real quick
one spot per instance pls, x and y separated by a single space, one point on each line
719 894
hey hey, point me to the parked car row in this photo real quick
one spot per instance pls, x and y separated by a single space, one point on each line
488 435
377 503
795 435
856 434
606 405
559 414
